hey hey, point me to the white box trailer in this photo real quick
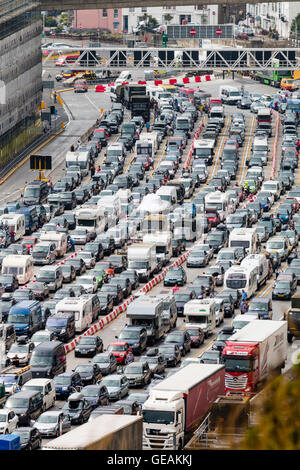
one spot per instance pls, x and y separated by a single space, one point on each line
252 353
163 243
107 432
261 263
142 258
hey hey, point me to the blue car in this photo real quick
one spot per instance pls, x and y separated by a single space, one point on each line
262 306
66 383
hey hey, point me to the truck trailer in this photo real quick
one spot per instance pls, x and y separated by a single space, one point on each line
107 432
252 354
178 404
142 258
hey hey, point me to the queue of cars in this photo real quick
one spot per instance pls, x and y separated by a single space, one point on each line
113 369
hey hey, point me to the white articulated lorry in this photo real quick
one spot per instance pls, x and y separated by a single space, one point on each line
177 405
107 432
142 258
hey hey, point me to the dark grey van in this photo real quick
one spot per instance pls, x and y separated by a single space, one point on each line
27 404
48 360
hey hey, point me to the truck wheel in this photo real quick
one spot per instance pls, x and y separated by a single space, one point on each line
180 444
290 337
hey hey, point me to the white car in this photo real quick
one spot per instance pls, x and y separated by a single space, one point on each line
88 258
42 336
89 283
8 421
20 353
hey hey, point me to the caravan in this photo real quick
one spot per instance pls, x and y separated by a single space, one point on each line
202 313
245 238
19 265
239 278
90 218
15 223
81 307
220 202
262 265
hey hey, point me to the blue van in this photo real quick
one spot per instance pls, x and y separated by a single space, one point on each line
31 218
26 316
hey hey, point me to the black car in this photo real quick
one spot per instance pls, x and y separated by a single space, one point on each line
70 218
181 298
64 292
107 363
135 336
69 273
211 357
82 195
96 248
219 343
78 264
175 276
118 262
228 303
115 291
236 296
107 242
132 275
284 288
106 302
130 406
78 408
206 281
9 282
124 282
7 301
88 346
89 373
23 294
181 338
30 438
171 352
95 395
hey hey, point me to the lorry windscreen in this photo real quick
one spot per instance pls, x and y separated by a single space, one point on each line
198 319
235 364
160 417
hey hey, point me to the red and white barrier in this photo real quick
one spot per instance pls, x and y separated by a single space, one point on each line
99 325
166 81
274 150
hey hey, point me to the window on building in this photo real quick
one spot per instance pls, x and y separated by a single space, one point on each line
144 10
104 12
116 13
116 25
131 10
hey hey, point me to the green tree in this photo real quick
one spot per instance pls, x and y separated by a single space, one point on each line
59 29
150 21
295 26
278 426
168 17
50 22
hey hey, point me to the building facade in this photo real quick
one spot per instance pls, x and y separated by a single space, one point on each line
20 75
196 14
104 18
278 16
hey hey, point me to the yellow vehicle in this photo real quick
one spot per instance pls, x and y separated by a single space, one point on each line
169 88
291 84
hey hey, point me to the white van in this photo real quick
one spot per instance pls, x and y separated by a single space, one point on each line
230 94
244 237
46 387
202 313
81 307
19 265
242 320
60 240
261 262
167 193
219 201
15 223
273 187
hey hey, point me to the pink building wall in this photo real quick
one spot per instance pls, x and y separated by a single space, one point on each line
94 19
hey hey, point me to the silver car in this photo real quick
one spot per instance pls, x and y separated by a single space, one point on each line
53 423
88 258
117 386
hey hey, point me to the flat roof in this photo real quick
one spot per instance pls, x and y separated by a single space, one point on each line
257 330
187 377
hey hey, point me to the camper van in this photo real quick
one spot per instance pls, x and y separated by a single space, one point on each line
15 223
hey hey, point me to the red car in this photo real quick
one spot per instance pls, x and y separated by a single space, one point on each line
213 216
294 202
146 161
122 352
29 242
197 336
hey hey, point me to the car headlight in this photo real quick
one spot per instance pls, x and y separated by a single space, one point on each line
63 330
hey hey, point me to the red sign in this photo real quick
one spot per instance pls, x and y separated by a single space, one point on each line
219 32
192 32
